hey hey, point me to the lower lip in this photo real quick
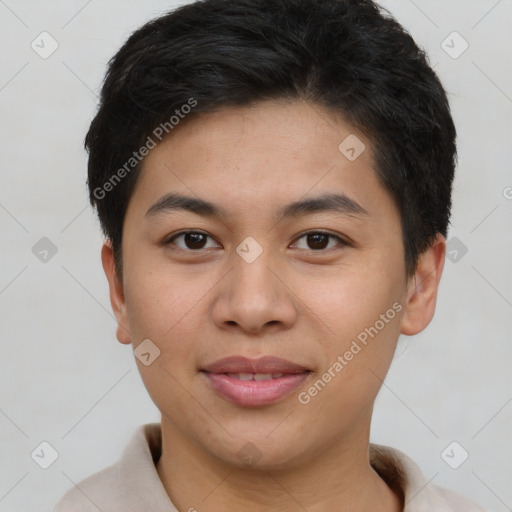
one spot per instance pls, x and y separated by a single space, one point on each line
253 393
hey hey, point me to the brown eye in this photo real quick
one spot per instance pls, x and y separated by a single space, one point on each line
319 241
194 240
190 240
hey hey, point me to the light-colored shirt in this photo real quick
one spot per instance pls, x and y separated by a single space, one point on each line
133 485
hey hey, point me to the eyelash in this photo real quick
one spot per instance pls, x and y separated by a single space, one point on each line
342 242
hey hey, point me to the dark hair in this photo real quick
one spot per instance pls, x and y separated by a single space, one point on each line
350 56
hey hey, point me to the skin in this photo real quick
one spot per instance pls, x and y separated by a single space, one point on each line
305 305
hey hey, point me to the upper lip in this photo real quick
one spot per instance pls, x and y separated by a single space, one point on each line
265 364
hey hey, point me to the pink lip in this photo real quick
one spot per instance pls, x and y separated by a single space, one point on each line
251 393
265 364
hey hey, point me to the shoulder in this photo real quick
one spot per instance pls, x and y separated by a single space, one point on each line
131 484
86 496
419 495
457 502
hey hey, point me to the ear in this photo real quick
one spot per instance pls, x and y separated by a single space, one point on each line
422 288
117 299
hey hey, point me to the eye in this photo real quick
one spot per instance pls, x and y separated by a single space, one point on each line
196 240
191 240
319 240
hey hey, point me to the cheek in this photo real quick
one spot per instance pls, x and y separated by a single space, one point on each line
354 300
167 304
366 324
363 311
165 308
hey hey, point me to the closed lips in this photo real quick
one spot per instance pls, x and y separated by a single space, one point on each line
254 382
255 376
264 368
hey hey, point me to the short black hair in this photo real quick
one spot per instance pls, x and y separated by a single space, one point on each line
349 56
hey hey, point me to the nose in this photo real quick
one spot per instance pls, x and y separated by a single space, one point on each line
255 298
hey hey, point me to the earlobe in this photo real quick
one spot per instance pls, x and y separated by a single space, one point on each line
117 299
423 287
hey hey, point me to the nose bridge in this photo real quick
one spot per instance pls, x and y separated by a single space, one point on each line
252 294
252 275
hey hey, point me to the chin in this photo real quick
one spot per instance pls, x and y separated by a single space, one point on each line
259 452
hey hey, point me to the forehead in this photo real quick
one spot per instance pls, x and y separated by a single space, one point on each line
262 156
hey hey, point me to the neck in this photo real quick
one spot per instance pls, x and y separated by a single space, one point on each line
340 479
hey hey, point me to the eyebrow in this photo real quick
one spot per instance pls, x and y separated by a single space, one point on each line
339 203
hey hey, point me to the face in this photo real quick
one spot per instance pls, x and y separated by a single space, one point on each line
287 259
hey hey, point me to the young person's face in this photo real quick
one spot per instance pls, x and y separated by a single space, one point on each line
303 299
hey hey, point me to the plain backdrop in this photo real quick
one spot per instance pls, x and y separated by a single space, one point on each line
65 380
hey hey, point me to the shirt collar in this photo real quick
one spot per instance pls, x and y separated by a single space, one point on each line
139 478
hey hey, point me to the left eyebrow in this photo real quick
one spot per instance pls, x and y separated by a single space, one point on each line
339 203
174 201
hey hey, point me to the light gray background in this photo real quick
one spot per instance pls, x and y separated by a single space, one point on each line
66 380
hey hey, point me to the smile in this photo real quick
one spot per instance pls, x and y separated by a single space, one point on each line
254 382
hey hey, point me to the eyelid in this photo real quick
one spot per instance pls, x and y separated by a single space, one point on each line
343 241
169 239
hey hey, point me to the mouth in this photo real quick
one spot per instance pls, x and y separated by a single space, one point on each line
255 376
254 382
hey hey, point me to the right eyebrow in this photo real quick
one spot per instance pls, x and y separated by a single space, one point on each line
334 202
